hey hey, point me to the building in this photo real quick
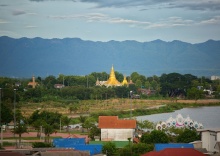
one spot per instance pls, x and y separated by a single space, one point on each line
114 129
99 83
160 147
175 152
59 86
215 77
124 82
210 139
112 81
33 84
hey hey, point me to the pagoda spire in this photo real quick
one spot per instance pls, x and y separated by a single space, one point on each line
112 81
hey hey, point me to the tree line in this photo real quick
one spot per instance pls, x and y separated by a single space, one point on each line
173 85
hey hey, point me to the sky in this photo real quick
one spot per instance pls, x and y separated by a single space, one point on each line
192 21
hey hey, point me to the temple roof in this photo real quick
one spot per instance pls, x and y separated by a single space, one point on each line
112 81
125 82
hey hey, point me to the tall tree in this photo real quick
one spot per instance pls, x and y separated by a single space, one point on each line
155 136
188 136
51 121
66 122
20 126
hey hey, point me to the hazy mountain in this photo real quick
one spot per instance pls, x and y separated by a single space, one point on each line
25 57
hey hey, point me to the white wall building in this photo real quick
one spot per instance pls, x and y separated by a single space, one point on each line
114 129
210 139
215 77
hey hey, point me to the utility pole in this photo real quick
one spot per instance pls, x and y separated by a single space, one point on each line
14 113
1 115
131 94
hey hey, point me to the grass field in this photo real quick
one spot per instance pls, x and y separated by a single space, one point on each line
91 106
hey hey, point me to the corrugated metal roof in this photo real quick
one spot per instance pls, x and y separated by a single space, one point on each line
114 123
175 152
9 153
159 147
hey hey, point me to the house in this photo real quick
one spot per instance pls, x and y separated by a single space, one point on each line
210 139
114 129
175 152
58 86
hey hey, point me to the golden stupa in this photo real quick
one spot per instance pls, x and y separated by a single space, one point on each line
124 82
112 81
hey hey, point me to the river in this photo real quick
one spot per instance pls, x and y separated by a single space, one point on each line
208 116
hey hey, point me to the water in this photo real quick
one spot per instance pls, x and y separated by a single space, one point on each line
208 116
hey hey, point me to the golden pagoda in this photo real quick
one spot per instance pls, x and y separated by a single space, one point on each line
112 81
125 82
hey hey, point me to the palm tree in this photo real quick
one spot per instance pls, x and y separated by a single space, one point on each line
66 121
82 120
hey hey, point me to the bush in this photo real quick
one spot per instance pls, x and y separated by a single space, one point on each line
41 145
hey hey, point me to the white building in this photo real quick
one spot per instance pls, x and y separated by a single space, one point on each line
114 129
210 139
215 77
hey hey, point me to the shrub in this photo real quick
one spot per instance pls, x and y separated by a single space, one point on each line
41 145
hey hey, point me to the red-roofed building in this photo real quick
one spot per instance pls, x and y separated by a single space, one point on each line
175 152
114 129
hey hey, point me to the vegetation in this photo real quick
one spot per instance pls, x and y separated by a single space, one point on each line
80 101
188 136
48 120
41 145
155 137
109 148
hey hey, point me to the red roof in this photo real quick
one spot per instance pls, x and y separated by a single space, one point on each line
175 152
115 123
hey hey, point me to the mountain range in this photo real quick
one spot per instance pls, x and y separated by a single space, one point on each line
25 57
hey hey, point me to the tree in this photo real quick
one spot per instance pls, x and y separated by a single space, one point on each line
188 136
138 83
37 124
82 120
194 93
89 122
48 129
155 136
50 81
136 149
147 84
145 124
20 126
66 122
50 121
6 113
109 148
94 131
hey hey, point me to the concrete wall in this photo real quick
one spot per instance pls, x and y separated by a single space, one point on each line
209 139
116 134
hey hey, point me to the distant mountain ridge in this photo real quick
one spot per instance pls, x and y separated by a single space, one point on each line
25 57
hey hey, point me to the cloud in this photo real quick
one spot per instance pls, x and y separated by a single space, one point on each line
214 20
50 0
3 5
18 12
30 26
3 21
145 4
98 17
192 4
197 5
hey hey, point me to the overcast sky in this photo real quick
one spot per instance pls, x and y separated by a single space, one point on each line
191 21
